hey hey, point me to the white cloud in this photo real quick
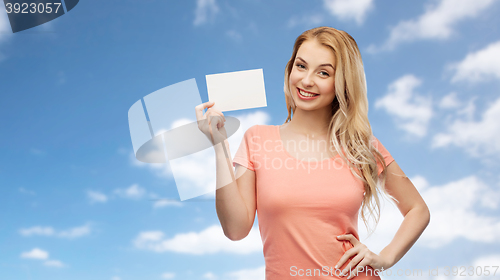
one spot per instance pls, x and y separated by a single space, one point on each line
479 66
208 241
458 107
411 111
75 232
349 9
37 230
168 275
485 267
436 23
205 11
490 261
248 274
159 169
49 231
132 192
450 101
39 254
96 197
160 203
478 138
53 263
243 274
209 275
36 253
457 206
457 211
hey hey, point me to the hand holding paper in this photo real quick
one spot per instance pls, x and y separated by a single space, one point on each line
163 128
237 90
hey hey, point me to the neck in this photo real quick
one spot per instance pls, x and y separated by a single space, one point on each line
311 122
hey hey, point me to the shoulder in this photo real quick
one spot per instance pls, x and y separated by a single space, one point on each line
376 143
381 149
260 130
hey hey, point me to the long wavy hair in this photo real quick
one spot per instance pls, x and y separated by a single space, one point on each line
349 130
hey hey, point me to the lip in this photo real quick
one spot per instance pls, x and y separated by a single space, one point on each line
304 97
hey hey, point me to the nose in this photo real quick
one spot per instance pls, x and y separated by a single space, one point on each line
307 81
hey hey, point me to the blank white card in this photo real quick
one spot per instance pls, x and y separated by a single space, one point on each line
237 90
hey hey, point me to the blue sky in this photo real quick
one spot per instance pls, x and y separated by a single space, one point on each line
75 204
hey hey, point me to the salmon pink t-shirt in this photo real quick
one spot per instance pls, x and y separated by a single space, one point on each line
302 206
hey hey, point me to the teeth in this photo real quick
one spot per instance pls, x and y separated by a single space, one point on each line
306 94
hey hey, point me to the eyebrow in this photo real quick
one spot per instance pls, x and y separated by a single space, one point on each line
324 64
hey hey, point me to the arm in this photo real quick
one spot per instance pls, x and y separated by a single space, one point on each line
416 218
234 198
415 212
235 203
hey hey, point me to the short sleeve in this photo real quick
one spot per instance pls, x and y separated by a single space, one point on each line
385 154
244 156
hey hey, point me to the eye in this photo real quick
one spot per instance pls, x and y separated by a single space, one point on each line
301 66
323 73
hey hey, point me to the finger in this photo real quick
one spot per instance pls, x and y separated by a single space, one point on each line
217 119
359 268
215 111
209 115
345 237
352 265
218 113
212 112
351 238
220 122
222 130
211 133
199 109
347 255
215 129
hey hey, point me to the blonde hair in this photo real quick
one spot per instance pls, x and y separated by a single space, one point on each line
349 130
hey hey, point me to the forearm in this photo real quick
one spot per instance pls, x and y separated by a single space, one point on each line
231 209
414 223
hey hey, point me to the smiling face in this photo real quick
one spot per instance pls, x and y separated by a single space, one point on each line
312 79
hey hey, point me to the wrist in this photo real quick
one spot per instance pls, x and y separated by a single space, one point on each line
388 259
222 150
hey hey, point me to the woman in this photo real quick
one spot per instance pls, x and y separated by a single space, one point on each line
308 199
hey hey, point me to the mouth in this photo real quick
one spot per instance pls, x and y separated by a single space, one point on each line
306 94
